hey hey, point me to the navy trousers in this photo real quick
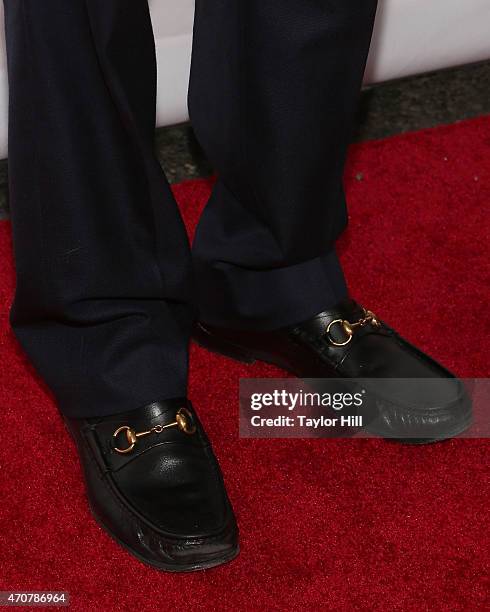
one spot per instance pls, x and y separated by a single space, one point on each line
107 284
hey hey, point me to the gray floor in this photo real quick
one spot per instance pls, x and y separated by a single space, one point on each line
391 108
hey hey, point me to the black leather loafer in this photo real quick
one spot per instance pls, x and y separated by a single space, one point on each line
349 341
155 486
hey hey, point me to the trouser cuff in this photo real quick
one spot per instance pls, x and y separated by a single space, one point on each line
234 297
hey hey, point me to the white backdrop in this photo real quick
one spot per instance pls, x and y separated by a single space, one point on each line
411 36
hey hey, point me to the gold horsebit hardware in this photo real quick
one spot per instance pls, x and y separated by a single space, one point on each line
349 328
183 420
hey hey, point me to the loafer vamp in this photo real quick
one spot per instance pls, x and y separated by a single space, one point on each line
404 376
409 394
177 487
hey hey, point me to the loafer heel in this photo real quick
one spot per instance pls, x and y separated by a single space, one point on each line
205 338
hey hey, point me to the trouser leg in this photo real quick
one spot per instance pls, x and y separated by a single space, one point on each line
274 88
103 266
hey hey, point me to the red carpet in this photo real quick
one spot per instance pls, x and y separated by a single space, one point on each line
332 525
